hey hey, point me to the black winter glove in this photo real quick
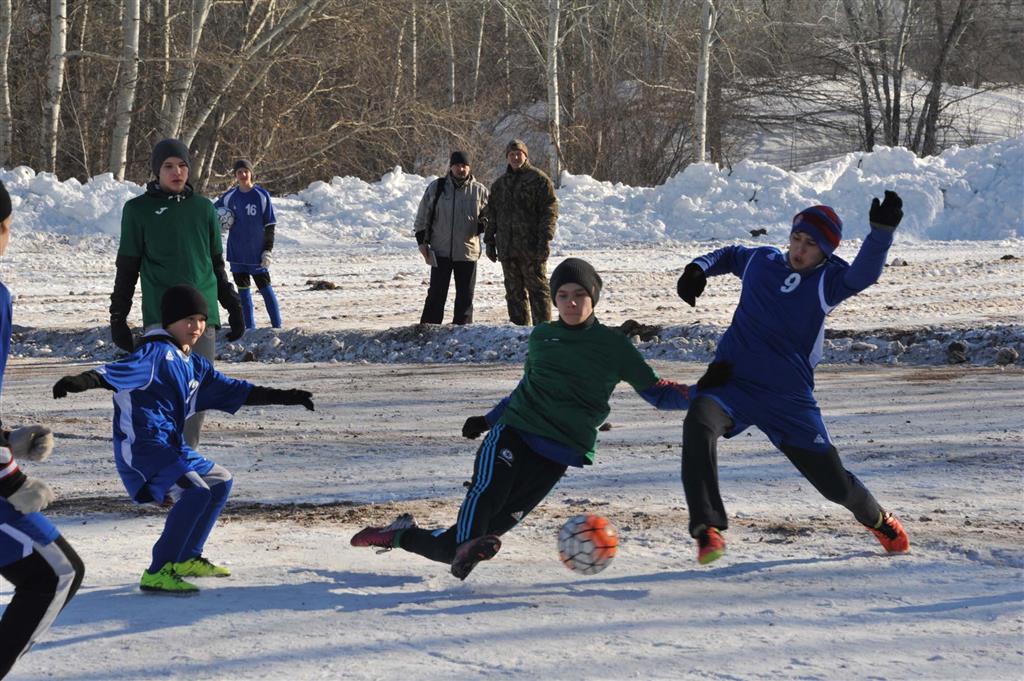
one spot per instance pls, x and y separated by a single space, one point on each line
260 396
78 383
474 426
887 214
492 252
691 284
121 334
717 374
237 324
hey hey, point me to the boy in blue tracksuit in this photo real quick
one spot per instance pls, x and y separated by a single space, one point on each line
250 242
773 344
156 389
34 557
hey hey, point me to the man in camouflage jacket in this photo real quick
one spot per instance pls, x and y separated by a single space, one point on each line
521 213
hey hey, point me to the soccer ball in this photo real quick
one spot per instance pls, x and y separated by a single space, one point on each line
227 217
587 543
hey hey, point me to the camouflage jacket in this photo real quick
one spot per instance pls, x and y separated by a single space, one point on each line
521 213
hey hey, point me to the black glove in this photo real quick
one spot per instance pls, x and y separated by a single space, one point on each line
260 396
492 252
121 334
78 383
717 374
474 426
237 324
887 214
691 284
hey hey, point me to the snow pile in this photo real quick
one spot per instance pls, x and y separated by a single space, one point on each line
997 344
962 194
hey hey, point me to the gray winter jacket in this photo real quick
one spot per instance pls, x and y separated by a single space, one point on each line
454 228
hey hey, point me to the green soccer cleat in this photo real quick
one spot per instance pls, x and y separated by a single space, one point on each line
200 567
166 580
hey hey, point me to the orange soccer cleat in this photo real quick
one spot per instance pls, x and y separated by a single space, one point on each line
710 545
890 534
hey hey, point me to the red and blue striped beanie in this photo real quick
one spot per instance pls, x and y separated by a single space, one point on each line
824 226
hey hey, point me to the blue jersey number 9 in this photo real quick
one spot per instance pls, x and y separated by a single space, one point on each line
792 281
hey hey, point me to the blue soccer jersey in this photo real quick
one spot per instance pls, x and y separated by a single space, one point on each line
157 388
253 212
17 531
777 332
776 335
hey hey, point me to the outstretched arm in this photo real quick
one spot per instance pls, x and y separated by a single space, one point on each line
667 395
260 395
79 383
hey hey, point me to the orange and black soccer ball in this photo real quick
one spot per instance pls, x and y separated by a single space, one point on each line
587 543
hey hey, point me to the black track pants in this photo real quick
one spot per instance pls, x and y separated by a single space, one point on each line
706 421
509 480
44 582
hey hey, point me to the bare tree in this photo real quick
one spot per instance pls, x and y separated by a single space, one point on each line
700 114
6 129
54 82
126 89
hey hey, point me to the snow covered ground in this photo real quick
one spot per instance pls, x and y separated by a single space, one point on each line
803 592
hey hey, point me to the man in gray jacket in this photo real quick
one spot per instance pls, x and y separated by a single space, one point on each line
448 228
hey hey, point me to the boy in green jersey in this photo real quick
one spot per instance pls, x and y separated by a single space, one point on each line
170 235
548 423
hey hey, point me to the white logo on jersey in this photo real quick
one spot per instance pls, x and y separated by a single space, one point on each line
193 385
169 356
818 439
160 210
792 281
505 455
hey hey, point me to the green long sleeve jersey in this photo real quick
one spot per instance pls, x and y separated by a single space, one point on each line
175 237
569 376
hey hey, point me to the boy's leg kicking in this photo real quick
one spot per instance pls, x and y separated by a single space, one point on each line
705 422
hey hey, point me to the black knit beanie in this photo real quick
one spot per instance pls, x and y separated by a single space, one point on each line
164 149
242 163
458 157
181 301
5 203
577 271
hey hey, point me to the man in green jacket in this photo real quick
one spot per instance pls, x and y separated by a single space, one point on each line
521 213
171 235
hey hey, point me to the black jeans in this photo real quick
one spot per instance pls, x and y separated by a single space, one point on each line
706 421
437 294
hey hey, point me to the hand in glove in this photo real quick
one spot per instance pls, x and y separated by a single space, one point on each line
78 383
265 259
717 374
32 443
474 426
121 334
294 396
691 284
33 496
237 324
259 396
492 252
887 214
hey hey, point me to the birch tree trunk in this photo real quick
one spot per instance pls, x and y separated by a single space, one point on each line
479 51
5 87
396 91
700 114
184 70
415 54
54 82
451 52
165 50
126 90
554 126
